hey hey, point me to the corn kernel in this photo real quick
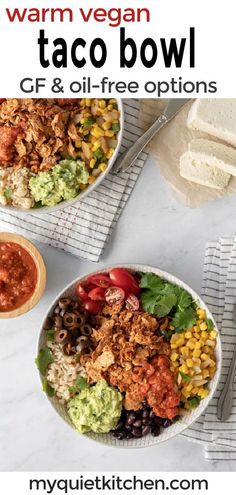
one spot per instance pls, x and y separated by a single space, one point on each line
196 328
189 363
213 334
88 102
180 342
189 387
183 368
92 163
97 132
203 392
196 353
109 134
205 373
103 167
102 104
91 179
172 327
188 335
204 335
96 145
185 393
193 340
203 326
204 356
82 121
184 351
206 349
201 313
109 153
190 344
109 107
174 346
198 345
195 390
174 356
82 186
106 126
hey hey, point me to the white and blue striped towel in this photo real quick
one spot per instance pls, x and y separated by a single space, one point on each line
219 293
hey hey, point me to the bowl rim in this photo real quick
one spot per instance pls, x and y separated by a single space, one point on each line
175 280
41 271
70 202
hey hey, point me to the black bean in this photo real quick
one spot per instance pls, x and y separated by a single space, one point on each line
129 435
167 423
131 417
137 432
158 421
145 430
146 421
137 423
128 427
119 426
155 430
145 413
152 414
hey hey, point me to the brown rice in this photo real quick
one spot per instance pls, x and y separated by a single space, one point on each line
62 373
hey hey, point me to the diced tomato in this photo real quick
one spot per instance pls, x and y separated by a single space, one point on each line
114 295
93 307
81 292
124 279
100 280
149 369
132 303
97 294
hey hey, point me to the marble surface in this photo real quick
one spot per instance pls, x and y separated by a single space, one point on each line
155 230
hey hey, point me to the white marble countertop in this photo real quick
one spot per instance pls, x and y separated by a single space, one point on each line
153 230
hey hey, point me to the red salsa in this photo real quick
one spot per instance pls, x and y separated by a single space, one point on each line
18 276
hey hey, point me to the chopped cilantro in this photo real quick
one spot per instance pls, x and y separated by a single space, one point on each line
48 389
50 334
115 106
98 154
80 384
162 298
184 319
185 377
210 324
89 122
194 402
7 193
43 360
116 127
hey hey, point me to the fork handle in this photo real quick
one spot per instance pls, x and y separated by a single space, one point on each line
225 401
127 158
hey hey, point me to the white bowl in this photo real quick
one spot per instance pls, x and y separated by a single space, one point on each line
64 204
181 424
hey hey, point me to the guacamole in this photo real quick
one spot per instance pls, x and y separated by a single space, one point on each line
96 408
61 183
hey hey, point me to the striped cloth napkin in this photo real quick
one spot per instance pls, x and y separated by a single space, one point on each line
219 293
84 228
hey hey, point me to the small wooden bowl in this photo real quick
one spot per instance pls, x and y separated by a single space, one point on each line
41 269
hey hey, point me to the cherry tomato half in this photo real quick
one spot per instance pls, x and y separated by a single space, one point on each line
97 294
132 303
93 307
124 279
100 280
114 295
81 292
